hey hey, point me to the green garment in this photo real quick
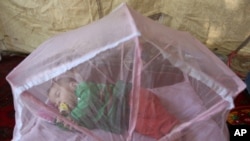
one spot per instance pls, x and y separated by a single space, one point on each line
103 106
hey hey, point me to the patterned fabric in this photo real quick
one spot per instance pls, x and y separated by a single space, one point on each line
240 115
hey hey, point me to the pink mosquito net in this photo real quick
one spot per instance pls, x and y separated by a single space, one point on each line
132 79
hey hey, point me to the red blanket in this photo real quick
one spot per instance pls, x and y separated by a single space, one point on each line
153 119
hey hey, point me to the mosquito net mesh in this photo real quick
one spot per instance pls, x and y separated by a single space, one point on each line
123 77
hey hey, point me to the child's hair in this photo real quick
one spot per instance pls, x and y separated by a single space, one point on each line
63 82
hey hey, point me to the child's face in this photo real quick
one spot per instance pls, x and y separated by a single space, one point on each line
62 93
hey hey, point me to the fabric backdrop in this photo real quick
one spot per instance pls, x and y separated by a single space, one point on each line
220 24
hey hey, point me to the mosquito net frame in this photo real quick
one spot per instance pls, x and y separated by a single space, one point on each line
191 83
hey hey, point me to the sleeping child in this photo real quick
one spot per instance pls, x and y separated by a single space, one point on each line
106 106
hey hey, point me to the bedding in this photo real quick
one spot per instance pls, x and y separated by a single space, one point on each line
106 106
